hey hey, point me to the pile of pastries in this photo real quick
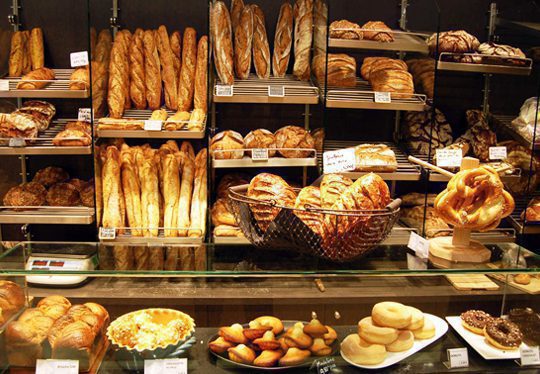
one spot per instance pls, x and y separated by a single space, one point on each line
222 218
51 186
12 299
26 122
287 142
145 189
392 327
264 342
501 333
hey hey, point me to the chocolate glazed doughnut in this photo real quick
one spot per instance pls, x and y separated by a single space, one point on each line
475 320
503 334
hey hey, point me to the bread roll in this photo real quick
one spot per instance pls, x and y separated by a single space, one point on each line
260 138
341 69
35 43
243 38
201 75
261 50
220 26
332 187
176 47
103 47
236 11
283 40
152 70
187 73
112 191
196 120
166 57
17 54
223 144
294 137
137 88
303 34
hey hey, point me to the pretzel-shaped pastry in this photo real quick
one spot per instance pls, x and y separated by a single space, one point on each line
475 199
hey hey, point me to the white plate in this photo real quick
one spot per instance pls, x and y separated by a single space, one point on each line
441 328
480 344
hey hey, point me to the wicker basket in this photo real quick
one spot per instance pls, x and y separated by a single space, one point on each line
347 235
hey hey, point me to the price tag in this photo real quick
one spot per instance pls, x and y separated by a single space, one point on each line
449 158
416 263
383 97
224 90
85 115
57 367
17 142
152 125
419 245
457 358
166 366
339 161
79 59
497 153
529 355
107 233
276 91
324 365
4 85
259 154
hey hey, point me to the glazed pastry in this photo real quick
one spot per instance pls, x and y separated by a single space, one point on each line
241 354
243 38
283 40
35 44
294 356
303 24
528 322
361 352
261 49
294 137
503 334
36 79
221 29
260 138
186 86
341 70
380 33
224 141
344 29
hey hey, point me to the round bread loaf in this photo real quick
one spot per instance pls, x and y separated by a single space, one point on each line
332 187
50 175
27 194
261 138
63 194
230 180
223 144
421 131
294 137
453 41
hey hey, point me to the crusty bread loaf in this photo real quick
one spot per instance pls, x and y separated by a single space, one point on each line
224 144
243 38
201 76
185 197
176 47
236 11
35 44
118 82
375 64
398 82
113 198
197 227
168 76
221 214
294 137
375 157
344 29
341 69
152 70
137 87
171 192
17 54
380 33
186 86
283 40
261 50
132 192
332 187
260 138
310 197
103 47
454 41
36 79
303 35
220 26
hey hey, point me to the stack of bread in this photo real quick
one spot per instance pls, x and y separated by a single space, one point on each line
26 122
372 30
388 75
222 218
392 327
55 329
146 189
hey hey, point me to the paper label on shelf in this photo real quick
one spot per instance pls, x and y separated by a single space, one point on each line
224 90
17 142
4 85
324 365
529 355
107 233
79 59
383 97
449 158
458 358
57 367
153 125
416 263
497 153
85 115
259 154
339 161
166 366
419 245
276 91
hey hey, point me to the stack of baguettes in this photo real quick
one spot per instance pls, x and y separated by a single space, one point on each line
147 61
146 189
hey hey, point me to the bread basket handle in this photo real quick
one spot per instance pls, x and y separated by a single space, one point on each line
394 205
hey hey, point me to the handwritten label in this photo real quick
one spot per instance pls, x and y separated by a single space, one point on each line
107 233
276 91
224 90
457 358
339 161
529 355
152 125
17 142
85 115
4 85
324 365
497 153
419 245
78 59
449 158
259 154
57 367
383 97
166 366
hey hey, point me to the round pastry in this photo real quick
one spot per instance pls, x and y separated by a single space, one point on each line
295 337
50 175
273 322
268 358
344 29
220 345
63 194
417 318
225 141
404 342
260 138
241 354
361 352
503 334
522 279
315 329
27 194
374 334
294 137
391 314
427 331
230 180
87 195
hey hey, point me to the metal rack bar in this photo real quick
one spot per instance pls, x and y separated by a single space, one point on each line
47 215
56 89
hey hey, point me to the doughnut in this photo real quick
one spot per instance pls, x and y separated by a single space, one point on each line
417 318
475 320
404 342
425 332
361 352
374 334
390 314
503 334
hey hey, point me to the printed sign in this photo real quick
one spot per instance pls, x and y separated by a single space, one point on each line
4 85
17 142
497 153
458 358
85 115
339 161
107 233
78 59
529 355
224 90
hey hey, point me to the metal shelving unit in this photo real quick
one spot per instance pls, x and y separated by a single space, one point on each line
276 161
56 89
503 124
403 42
47 215
491 68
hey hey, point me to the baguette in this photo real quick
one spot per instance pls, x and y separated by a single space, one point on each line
184 200
261 50
93 42
187 72
303 34
137 87
117 79
98 186
201 76
220 26
150 196
152 76
112 190
176 47
283 41
171 193
103 46
243 38
188 150
132 192
27 59
36 48
198 204
236 11
125 40
17 54
100 77
166 56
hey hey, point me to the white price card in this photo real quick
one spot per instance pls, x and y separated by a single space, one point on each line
152 125
224 90
166 366
339 161
259 154
17 142
276 91
449 158
457 358
79 59
419 245
57 367
85 115
107 233
4 85
529 355
497 153
383 97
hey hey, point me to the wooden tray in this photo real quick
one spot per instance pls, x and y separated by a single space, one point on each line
468 282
